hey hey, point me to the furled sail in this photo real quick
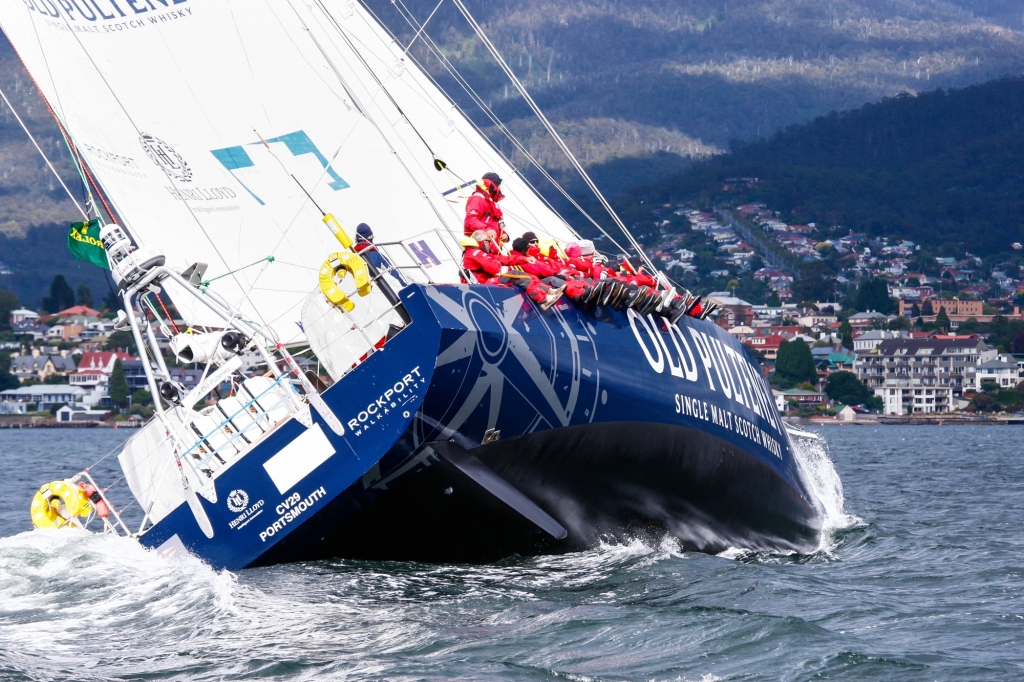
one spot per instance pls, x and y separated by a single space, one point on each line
208 122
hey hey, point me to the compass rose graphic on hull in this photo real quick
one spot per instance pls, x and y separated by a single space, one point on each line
507 367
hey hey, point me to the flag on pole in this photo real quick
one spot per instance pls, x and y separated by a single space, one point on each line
84 243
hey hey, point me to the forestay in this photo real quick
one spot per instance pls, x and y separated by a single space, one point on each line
195 116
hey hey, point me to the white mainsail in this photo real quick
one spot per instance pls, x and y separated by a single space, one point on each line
201 119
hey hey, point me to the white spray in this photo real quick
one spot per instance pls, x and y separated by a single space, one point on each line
820 478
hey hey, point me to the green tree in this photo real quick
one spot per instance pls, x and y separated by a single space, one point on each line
120 341
816 282
927 310
898 323
915 310
8 303
61 296
982 402
7 380
795 363
846 334
118 385
942 319
774 300
873 294
84 296
846 388
142 397
111 302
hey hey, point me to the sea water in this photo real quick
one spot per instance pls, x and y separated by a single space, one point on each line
919 577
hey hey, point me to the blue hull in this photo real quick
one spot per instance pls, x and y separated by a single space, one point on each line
607 423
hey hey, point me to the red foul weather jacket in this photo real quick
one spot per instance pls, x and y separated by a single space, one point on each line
486 266
482 213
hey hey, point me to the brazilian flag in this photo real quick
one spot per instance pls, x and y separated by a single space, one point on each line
84 243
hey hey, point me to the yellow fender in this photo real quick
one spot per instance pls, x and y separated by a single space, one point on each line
57 504
337 264
339 232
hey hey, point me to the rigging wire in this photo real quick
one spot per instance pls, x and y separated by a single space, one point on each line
364 111
422 26
42 154
245 292
418 90
485 108
551 130
438 163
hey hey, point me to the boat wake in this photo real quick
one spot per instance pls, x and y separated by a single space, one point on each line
63 588
819 476
821 479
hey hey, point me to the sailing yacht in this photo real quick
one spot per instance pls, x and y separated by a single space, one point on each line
228 148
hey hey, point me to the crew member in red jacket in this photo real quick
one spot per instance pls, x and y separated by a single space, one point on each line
482 261
482 212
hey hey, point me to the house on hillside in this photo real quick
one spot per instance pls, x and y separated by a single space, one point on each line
39 366
74 311
734 311
22 315
868 319
865 342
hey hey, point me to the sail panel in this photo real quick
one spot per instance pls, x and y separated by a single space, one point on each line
432 115
207 124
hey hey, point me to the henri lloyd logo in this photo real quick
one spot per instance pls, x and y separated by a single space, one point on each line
163 155
238 500
175 167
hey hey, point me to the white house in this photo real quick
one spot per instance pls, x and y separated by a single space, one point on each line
870 340
23 314
78 413
44 395
1002 370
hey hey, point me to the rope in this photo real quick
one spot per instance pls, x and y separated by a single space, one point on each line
42 154
482 105
551 130
364 111
206 282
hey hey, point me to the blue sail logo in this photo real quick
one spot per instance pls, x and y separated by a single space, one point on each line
297 143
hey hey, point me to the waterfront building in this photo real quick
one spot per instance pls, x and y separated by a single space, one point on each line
921 375
44 396
1001 370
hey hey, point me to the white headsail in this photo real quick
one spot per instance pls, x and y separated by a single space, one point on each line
201 120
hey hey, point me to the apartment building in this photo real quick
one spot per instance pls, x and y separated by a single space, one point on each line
921 375
953 306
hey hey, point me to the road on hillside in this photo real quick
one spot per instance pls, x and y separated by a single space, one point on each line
755 238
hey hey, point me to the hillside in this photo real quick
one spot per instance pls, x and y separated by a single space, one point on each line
944 169
638 88
716 71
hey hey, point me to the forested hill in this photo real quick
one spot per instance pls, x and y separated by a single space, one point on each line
944 168
643 84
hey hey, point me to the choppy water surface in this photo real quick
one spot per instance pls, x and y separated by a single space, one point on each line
920 577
